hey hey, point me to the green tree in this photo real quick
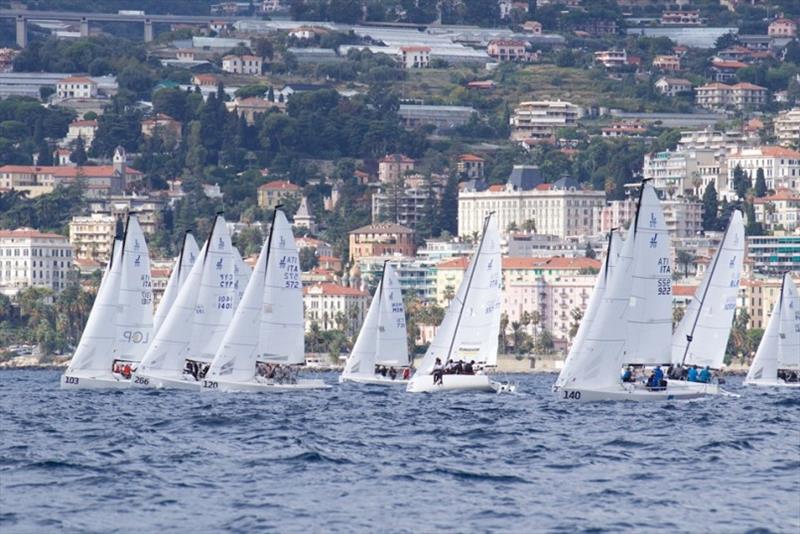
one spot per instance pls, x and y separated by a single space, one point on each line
761 183
589 251
710 207
741 182
78 154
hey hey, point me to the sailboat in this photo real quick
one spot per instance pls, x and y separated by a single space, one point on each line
382 339
178 276
194 325
120 324
634 321
702 335
268 327
471 326
777 360
91 365
577 354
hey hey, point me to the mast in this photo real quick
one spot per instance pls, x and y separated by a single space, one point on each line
211 235
380 301
639 205
125 234
710 275
608 252
180 255
269 239
469 285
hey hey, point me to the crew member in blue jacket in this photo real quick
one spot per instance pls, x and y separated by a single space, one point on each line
692 376
705 375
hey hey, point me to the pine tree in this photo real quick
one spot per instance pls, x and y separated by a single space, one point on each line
741 182
78 155
271 94
761 183
448 213
710 207
45 154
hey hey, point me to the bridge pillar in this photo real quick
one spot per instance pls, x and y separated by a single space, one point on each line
22 31
84 27
148 30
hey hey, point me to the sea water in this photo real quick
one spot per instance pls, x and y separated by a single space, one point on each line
374 459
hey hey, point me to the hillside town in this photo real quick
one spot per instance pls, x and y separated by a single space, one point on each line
389 130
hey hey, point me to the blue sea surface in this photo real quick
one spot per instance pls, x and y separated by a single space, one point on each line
371 459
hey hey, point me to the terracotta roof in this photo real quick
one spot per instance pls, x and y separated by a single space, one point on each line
329 259
469 157
457 264
415 48
156 272
383 228
76 79
396 158
97 171
496 188
29 232
481 84
746 85
83 122
780 194
334 290
780 151
284 185
728 64
683 290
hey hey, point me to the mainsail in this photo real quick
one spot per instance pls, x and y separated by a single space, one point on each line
241 275
134 317
183 265
702 335
471 325
93 353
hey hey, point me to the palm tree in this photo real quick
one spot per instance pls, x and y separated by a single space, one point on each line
503 327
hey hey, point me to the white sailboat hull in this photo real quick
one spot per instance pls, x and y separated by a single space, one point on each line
93 382
164 382
702 387
627 393
375 380
424 384
262 387
772 384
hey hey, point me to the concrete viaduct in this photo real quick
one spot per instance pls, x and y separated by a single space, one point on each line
22 16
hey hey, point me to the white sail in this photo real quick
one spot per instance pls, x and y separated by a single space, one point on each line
649 314
215 295
392 346
134 318
789 328
235 359
471 325
241 274
168 350
183 266
282 337
93 353
702 335
780 344
577 354
382 339
362 357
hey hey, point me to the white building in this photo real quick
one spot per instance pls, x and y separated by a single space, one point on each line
542 118
81 128
335 307
711 139
612 58
673 86
246 64
683 171
780 210
76 87
740 96
787 128
561 208
781 166
32 258
93 236
415 57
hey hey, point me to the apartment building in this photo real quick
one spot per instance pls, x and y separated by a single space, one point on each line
781 166
782 27
92 236
684 218
673 86
29 258
774 254
470 166
539 120
76 87
611 59
381 239
562 208
681 18
85 129
406 202
682 171
781 210
787 128
393 167
415 57
275 192
740 96
335 307
508 50
667 63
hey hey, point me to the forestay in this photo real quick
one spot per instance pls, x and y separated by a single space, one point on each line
471 325
702 335
94 352
578 353
134 317
215 298
183 266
